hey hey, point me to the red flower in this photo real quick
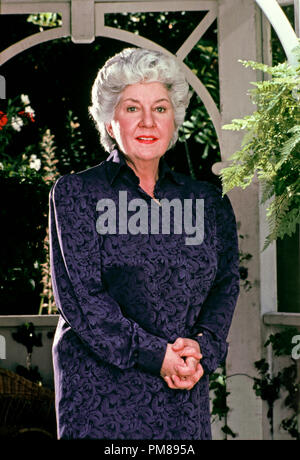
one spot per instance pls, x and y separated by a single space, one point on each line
28 115
3 119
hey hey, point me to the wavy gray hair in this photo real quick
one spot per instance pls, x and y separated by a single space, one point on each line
130 66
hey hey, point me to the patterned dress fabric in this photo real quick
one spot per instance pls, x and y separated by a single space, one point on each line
122 297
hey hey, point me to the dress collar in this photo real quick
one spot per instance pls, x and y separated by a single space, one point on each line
117 163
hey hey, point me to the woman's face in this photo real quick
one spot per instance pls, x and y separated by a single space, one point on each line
143 123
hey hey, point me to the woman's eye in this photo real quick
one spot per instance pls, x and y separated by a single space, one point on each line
131 109
160 109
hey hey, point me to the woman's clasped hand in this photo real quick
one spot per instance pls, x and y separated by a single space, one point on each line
181 368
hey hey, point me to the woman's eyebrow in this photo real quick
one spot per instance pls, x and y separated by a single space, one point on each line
138 102
164 99
130 99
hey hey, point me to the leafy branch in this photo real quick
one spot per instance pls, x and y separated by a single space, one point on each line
220 409
268 386
271 147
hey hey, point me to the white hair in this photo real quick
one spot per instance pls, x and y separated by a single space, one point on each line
130 66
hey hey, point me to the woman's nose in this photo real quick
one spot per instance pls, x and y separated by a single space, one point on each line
147 119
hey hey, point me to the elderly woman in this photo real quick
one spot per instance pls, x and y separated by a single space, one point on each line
145 308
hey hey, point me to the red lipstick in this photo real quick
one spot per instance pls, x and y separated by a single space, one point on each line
146 139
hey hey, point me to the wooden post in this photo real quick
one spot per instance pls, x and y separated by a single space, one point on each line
240 28
83 21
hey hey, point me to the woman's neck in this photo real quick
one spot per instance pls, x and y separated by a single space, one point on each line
147 174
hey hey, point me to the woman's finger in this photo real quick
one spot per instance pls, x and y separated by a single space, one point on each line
178 344
175 383
184 371
182 384
192 362
199 373
182 342
169 382
190 351
191 379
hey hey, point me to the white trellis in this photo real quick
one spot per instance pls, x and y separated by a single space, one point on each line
243 33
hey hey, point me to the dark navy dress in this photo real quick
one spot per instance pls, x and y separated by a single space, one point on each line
122 297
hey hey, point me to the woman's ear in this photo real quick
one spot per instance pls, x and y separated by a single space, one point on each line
109 129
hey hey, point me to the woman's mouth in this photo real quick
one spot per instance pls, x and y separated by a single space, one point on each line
146 139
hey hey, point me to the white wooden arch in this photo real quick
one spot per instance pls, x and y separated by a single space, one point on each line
286 34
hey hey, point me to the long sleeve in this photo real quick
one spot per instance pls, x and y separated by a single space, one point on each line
216 313
80 296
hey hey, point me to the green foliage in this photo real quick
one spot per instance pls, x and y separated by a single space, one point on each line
203 61
269 386
73 149
220 409
244 258
271 147
199 127
45 20
282 341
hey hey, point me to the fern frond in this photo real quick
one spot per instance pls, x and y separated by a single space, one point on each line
283 215
288 148
267 192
